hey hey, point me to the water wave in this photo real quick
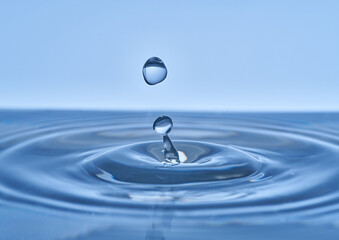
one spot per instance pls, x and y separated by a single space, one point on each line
237 167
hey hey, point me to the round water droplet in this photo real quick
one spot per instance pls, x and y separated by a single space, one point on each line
154 71
163 125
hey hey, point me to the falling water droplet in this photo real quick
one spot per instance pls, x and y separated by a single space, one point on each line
154 71
163 125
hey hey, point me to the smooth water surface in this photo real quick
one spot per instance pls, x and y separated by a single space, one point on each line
100 175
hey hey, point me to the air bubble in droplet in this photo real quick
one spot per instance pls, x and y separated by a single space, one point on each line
154 71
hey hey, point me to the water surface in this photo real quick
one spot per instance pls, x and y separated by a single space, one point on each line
100 175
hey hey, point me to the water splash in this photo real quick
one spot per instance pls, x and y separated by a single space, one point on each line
154 71
241 168
163 125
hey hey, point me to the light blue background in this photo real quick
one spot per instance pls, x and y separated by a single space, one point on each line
221 55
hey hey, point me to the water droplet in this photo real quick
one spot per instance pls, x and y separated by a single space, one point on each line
154 71
163 125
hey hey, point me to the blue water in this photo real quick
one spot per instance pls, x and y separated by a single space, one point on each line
100 175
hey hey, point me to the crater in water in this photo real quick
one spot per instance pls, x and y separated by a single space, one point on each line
200 162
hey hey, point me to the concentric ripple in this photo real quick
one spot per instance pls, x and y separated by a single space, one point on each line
200 162
234 167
